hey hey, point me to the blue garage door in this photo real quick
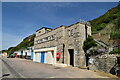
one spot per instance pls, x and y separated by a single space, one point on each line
42 57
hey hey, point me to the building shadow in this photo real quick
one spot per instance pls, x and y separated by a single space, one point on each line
5 75
113 70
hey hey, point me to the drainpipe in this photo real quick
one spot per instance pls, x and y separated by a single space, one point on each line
87 58
63 53
86 30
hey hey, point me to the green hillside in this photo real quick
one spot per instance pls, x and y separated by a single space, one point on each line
107 26
112 16
27 42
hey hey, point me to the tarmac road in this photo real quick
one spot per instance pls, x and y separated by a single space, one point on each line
21 68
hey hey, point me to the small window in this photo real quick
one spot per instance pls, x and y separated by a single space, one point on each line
52 37
40 40
39 31
36 41
70 32
45 39
49 38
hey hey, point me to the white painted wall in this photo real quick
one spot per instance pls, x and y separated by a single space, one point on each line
24 52
28 52
34 56
48 57
37 57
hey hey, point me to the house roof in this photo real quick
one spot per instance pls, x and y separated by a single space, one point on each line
44 27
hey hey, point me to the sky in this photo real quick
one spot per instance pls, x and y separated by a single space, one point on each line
21 19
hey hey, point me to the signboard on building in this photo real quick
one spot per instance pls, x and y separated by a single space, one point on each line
75 52
91 60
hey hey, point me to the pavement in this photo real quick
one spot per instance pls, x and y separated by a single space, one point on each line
22 68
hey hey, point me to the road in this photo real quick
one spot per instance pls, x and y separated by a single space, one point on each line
21 68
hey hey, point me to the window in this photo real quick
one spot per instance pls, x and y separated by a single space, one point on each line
52 37
36 41
39 31
45 39
49 38
40 40
70 32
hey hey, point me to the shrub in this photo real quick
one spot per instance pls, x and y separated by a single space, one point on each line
98 27
101 26
94 52
115 51
89 43
117 23
115 35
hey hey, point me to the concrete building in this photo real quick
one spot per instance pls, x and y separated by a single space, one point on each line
25 53
61 45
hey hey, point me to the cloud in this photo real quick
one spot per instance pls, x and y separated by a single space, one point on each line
9 40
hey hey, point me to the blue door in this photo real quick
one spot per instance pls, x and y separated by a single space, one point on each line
42 57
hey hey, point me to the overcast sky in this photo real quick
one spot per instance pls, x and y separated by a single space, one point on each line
21 19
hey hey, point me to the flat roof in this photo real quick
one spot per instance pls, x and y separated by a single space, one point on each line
60 26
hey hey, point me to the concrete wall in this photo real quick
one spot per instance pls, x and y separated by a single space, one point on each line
104 63
55 39
74 38
67 37
42 31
